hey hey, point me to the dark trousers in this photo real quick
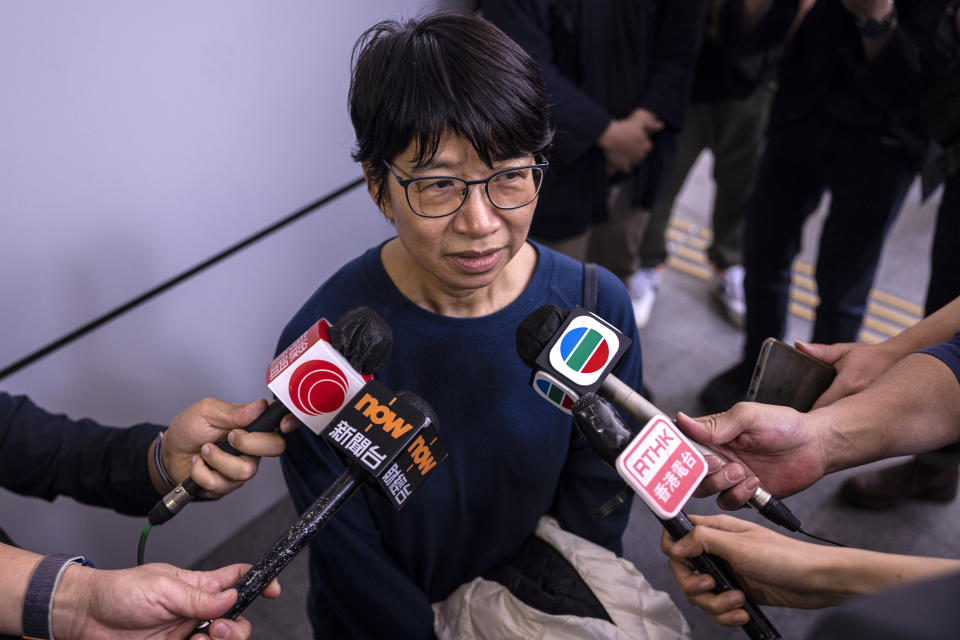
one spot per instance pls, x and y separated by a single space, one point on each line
867 175
733 131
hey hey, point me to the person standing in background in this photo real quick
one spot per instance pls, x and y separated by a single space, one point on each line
845 119
933 475
618 78
733 87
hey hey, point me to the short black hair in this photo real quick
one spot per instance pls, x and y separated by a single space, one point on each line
413 80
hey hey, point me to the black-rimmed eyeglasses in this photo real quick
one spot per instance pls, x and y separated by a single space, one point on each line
439 196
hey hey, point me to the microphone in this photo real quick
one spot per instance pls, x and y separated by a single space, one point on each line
659 457
313 378
577 350
387 440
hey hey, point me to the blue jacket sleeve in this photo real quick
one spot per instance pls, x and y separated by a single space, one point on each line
948 352
46 455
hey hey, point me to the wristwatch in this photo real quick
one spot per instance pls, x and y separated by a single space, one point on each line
37 605
874 28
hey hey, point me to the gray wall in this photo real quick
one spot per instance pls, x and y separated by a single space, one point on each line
135 141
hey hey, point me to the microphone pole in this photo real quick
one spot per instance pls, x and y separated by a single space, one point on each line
395 461
768 505
608 436
286 548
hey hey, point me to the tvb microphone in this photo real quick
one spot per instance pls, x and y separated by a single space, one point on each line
387 440
575 351
655 465
313 378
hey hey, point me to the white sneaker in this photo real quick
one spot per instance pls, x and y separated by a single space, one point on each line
728 290
643 286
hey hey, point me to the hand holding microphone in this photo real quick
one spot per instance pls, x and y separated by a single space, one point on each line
778 444
658 455
773 569
387 440
572 355
312 378
186 447
555 356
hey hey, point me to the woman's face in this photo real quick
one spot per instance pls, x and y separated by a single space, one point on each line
466 250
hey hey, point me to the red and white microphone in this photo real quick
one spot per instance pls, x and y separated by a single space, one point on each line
312 379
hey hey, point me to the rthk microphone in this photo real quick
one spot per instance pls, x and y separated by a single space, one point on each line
575 351
313 379
663 468
388 440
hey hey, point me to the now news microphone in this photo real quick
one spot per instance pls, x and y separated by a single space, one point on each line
662 466
387 440
574 352
313 378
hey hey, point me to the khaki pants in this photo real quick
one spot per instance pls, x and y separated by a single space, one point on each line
614 244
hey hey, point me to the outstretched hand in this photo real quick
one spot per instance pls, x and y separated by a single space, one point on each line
857 364
151 601
779 445
190 444
773 568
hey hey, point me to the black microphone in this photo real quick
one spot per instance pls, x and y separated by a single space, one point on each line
312 378
540 331
606 433
387 440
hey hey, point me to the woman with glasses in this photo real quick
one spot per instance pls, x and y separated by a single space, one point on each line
452 131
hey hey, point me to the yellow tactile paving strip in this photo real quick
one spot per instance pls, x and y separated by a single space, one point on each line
887 314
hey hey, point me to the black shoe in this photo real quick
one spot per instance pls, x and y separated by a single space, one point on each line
727 389
889 487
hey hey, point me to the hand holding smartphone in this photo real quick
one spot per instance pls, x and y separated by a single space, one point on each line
786 376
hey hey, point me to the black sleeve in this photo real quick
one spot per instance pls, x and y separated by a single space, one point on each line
909 62
678 30
768 35
581 118
46 455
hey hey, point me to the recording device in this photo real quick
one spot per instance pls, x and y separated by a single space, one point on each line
659 455
787 376
578 350
387 440
313 378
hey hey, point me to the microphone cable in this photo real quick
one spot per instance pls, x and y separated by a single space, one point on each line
816 537
143 543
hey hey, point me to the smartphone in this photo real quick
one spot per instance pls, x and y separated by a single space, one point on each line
788 377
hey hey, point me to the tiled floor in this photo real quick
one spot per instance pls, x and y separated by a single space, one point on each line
686 343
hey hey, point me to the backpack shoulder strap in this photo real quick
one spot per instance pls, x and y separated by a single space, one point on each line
590 286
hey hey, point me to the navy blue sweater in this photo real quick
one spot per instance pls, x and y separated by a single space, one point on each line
948 352
513 457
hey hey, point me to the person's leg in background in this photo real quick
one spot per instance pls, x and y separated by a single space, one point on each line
614 243
740 126
788 189
934 475
868 183
690 142
575 247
